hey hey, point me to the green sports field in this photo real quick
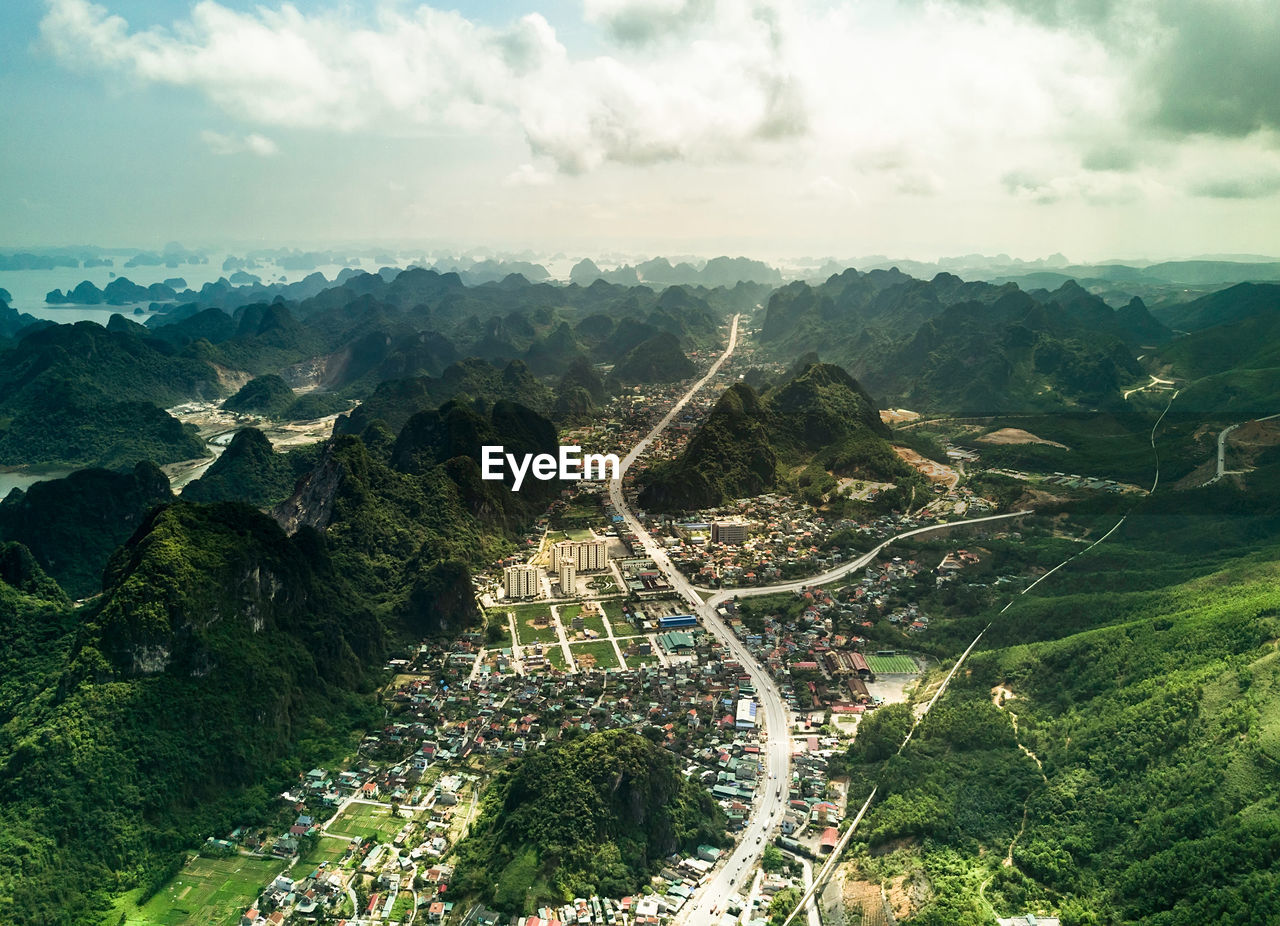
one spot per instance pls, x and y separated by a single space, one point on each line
892 665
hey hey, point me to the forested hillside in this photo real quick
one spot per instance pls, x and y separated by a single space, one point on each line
593 814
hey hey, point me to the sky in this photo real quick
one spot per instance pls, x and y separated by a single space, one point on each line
1098 129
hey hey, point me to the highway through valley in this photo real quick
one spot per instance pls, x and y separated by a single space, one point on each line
773 714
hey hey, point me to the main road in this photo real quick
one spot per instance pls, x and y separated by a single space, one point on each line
772 712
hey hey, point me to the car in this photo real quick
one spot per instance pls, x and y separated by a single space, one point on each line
731 880
757 839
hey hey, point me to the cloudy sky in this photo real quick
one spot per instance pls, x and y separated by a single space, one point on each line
914 128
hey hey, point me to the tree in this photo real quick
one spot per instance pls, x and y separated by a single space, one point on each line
773 859
783 903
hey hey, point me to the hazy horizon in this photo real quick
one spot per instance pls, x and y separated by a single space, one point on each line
916 129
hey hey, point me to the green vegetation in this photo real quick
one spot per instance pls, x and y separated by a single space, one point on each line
329 849
594 814
531 633
205 890
600 652
407 516
185 697
60 429
72 525
313 405
892 665
970 348
819 418
80 395
368 821
250 471
267 395
594 622
656 360
1146 679
394 402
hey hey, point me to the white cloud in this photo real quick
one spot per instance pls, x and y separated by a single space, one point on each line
917 100
527 175
253 143
424 68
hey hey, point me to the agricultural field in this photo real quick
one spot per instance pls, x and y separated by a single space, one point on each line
892 665
360 820
598 655
213 891
329 849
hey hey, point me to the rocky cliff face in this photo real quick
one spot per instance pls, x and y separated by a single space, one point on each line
312 501
196 584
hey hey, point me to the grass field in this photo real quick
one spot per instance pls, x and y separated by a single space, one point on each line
524 612
613 610
207 892
635 660
404 903
555 656
892 665
594 621
579 533
568 612
600 653
329 849
531 634
366 820
500 621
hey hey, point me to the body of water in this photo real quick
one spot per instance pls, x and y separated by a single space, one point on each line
29 287
20 477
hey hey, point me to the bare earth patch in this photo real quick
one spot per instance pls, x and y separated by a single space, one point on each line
896 415
1255 434
863 898
1016 436
933 471
904 898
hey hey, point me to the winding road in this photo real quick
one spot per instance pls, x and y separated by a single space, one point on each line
1222 448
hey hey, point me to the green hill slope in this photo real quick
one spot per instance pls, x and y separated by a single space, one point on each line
1145 681
819 417
73 525
219 648
594 814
